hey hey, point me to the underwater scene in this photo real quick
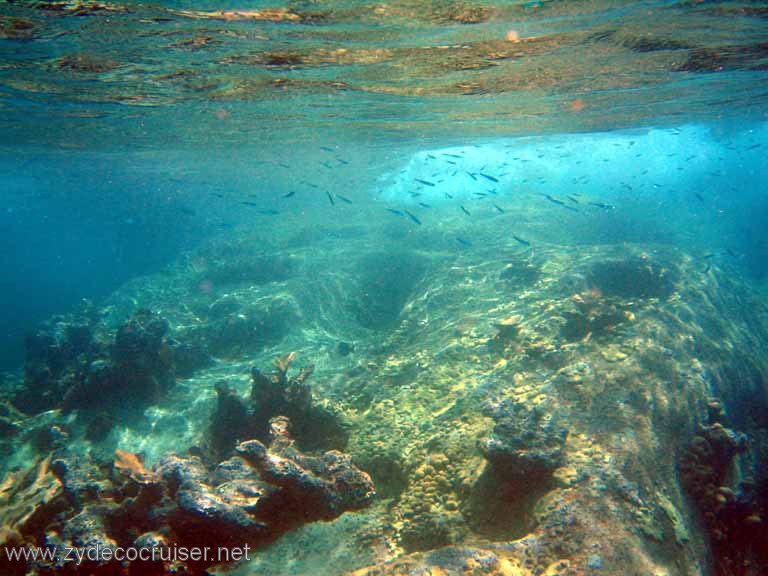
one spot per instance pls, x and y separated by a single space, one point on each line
384 288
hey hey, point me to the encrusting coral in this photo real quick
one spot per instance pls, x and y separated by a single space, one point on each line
264 488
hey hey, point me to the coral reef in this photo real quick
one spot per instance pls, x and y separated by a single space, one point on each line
137 371
525 449
69 500
56 354
527 442
592 317
518 414
275 394
76 363
733 511
566 469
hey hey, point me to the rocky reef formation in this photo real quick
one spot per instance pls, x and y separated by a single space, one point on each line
558 443
70 501
79 363
527 443
275 394
520 411
732 505
523 452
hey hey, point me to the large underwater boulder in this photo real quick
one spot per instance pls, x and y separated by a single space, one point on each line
574 424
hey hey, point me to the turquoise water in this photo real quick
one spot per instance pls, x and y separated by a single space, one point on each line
354 181
80 222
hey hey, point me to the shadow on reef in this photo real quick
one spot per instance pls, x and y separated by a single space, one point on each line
275 394
387 282
636 277
525 449
245 494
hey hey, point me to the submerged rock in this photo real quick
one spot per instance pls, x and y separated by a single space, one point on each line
247 500
315 427
133 372
313 487
733 511
527 443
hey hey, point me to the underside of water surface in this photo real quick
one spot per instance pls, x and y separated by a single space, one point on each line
337 287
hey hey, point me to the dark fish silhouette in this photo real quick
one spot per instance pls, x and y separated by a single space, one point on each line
267 212
291 193
397 212
463 242
425 182
412 217
343 198
499 208
465 210
330 198
554 200
602 205
491 178
521 240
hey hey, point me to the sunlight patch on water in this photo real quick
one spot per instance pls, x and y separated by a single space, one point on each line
639 162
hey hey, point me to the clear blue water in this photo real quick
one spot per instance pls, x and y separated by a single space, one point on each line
79 223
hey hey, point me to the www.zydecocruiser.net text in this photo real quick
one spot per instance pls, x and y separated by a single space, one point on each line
101 554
